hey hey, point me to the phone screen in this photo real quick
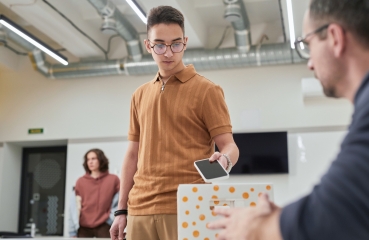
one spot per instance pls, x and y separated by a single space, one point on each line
211 170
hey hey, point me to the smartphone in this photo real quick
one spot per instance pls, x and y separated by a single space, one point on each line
210 171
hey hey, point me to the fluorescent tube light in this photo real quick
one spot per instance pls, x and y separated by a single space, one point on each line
290 23
137 10
32 39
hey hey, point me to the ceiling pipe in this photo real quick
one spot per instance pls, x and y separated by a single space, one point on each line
2 34
39 63
19 41
75 70
225 58
123 27
235 13
203 59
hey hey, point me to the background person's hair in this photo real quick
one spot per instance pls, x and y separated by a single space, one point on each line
166 15
352 15
103 160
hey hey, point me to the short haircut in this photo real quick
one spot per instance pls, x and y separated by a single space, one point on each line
166 15
352 15
103 160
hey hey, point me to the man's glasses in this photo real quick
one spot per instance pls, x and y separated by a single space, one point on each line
302 47
161 48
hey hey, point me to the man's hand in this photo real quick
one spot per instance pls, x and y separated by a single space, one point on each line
218 156
117 228
247 223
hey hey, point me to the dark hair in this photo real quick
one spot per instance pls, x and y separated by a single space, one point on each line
164 14
103 160
353 15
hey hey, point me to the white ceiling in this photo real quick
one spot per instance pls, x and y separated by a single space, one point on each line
204 23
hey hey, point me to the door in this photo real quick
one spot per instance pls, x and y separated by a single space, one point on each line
43 190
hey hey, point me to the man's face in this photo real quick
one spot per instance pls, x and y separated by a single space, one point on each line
167 34
93 162
322 60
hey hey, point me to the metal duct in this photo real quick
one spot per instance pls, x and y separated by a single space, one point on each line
17 39
74 70
39 62
124 28
2 34
269 54
203 59
235 12
88 69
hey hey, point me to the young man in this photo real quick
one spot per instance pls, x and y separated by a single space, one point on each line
97 195
175 120
337 34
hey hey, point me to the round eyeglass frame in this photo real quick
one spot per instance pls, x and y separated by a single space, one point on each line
166 47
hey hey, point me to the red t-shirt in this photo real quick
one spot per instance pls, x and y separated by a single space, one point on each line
96 198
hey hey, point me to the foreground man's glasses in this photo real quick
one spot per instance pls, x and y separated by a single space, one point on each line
302 47
161 48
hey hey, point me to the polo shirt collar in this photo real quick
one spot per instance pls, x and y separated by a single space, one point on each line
186 74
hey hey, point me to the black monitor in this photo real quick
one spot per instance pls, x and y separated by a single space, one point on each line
261 153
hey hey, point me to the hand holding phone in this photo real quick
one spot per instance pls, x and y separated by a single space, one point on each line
210 171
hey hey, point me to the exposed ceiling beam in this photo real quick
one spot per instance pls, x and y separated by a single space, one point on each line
45 19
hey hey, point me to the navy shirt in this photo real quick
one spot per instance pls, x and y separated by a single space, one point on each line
338 208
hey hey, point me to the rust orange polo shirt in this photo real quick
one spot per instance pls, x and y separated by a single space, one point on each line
174 126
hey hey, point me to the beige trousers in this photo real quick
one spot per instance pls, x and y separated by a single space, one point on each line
152 227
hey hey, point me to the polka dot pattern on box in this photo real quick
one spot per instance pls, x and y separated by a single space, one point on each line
196 202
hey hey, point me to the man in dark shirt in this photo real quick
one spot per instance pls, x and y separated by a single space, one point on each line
336 43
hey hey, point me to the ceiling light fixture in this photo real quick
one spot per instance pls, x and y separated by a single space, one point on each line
32 39
291 24
138 10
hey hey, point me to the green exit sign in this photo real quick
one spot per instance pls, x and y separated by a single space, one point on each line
35 131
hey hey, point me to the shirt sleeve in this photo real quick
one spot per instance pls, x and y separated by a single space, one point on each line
134 126
337 208
215 112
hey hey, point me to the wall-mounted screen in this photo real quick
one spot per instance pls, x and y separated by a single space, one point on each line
261 153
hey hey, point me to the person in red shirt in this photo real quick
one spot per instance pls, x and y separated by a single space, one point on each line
96 196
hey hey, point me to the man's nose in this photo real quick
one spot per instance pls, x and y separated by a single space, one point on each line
310 65
168 52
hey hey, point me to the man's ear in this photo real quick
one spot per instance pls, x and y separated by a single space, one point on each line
147 45
185 40
337 39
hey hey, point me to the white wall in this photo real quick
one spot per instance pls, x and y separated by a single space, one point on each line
10 178
274 96
99 107
308 161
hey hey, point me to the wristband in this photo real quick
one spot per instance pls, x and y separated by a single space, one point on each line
229 163
121 212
